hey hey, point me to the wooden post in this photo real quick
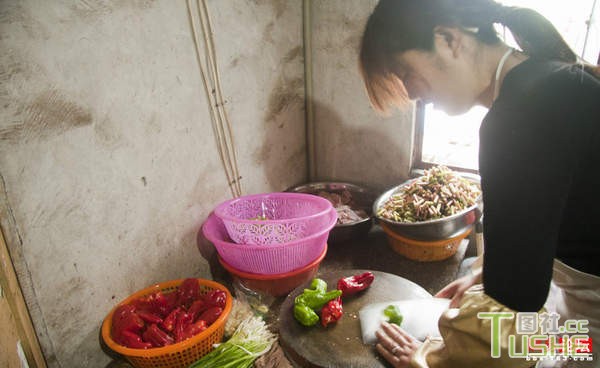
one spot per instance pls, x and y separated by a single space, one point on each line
19 341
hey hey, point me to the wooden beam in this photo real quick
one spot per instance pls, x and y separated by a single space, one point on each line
18 308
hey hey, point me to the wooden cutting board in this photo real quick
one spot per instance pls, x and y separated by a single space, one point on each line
340 345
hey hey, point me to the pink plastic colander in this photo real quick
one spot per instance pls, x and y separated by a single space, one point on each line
267 259
274 218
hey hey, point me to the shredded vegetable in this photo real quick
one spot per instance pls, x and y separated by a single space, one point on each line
249 341
439 193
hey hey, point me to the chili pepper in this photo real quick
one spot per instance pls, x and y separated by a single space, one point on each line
194 329
143 303
149 317
188 292
317 285
215 298
183 321
168 324
305 315
125 320
393 314
353 284
210 315
316 299
169 301
133 340
331 312
157 337
197 308
123 310
157 303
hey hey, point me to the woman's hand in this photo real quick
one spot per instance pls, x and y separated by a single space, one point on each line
456 289
396 346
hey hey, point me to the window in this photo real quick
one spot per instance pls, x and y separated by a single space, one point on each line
454 140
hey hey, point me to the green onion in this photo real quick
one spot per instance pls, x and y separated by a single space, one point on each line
249 341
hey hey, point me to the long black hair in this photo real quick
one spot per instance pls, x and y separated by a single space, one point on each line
399 25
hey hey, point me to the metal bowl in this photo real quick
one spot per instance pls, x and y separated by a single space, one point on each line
431 230
363 199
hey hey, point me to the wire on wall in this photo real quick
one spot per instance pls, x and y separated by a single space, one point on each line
588 28
308 91
211 81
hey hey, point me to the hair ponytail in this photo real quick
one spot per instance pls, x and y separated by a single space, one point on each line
535 34
537 37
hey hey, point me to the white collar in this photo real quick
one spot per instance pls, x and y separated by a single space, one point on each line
499 71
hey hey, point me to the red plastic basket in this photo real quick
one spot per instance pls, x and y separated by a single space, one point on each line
267 259
276 285
179 355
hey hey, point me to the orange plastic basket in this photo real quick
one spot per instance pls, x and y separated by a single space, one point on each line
177 355
424 251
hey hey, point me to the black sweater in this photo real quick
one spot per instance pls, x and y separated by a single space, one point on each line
539 162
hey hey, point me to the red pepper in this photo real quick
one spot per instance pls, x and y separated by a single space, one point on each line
188 292
353 284
157 337
170 301
149 317
133 340
183 321
210 315
168 324
215 298
122 312
197 308
125 320
331 312
157 303
145 303
194 329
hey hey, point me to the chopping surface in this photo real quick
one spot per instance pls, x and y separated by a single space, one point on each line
340 345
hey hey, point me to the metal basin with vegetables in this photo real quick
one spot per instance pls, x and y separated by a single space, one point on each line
429 219
352 202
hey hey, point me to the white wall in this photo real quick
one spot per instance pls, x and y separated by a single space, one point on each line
107 159
352 142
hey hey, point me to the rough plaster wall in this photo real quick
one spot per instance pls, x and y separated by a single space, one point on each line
107 160
352 142
264 61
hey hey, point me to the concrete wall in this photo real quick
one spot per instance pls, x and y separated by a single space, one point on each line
352 142
108 164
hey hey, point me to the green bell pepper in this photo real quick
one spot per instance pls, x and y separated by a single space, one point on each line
305 315
316 299
317 285
393 314
311 300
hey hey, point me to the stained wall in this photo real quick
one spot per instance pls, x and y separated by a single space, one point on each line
108 162
352 142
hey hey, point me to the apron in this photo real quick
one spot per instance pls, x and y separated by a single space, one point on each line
575 295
